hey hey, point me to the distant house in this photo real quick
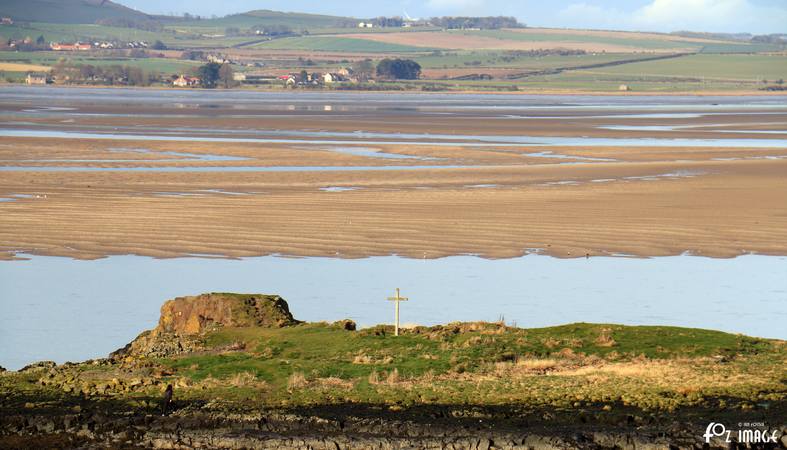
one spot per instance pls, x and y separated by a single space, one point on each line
624 87
333 77
7 21
77 46
218 59
37 78
186 81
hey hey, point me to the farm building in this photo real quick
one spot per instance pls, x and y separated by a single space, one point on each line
186 81
57 46
37 78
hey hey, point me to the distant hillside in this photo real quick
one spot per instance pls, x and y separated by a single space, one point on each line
265 17
68 11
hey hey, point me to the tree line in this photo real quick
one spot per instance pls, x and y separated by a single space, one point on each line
450 22
115 74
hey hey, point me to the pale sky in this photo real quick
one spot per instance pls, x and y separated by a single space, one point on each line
755 16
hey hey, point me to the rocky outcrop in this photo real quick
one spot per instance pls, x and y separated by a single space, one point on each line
184 319
38 366
194 315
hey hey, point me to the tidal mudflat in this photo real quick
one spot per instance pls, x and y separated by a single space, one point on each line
352 175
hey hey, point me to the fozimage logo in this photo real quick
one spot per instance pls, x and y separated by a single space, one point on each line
753 433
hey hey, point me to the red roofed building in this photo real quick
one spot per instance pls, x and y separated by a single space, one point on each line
70 47
186 81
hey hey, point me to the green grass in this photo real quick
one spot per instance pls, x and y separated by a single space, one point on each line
324 351
517 61
571 366
721 67
163 65
731 47
54 32
487 364
66 11
375 30
296 21
337 44
81 32
634 41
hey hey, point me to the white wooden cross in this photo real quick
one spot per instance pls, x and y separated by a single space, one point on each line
396 301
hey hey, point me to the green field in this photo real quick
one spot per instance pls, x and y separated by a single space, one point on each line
55 32
719 67
517 60
67 11
583 82
296 21
733 47
163 65
713 66
337 44
634 41
647 367
80 32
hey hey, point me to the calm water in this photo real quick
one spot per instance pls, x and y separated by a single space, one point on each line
62 309
417 139
58 98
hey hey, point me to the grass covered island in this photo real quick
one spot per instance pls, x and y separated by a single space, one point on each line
246 374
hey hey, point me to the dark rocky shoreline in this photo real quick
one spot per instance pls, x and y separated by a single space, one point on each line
351 426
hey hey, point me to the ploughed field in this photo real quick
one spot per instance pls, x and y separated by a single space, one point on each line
88 173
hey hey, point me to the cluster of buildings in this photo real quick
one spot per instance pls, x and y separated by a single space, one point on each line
76 46
301 79
218 59
17 43
186 81
81 46
6 21
315 79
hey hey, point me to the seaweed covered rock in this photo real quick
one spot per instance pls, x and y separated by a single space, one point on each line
184 319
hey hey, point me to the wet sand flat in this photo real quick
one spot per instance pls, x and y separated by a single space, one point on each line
733 208
454 178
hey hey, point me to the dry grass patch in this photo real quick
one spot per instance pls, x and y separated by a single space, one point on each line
333 383
20 67
389 378
297 380
605 339
363 358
